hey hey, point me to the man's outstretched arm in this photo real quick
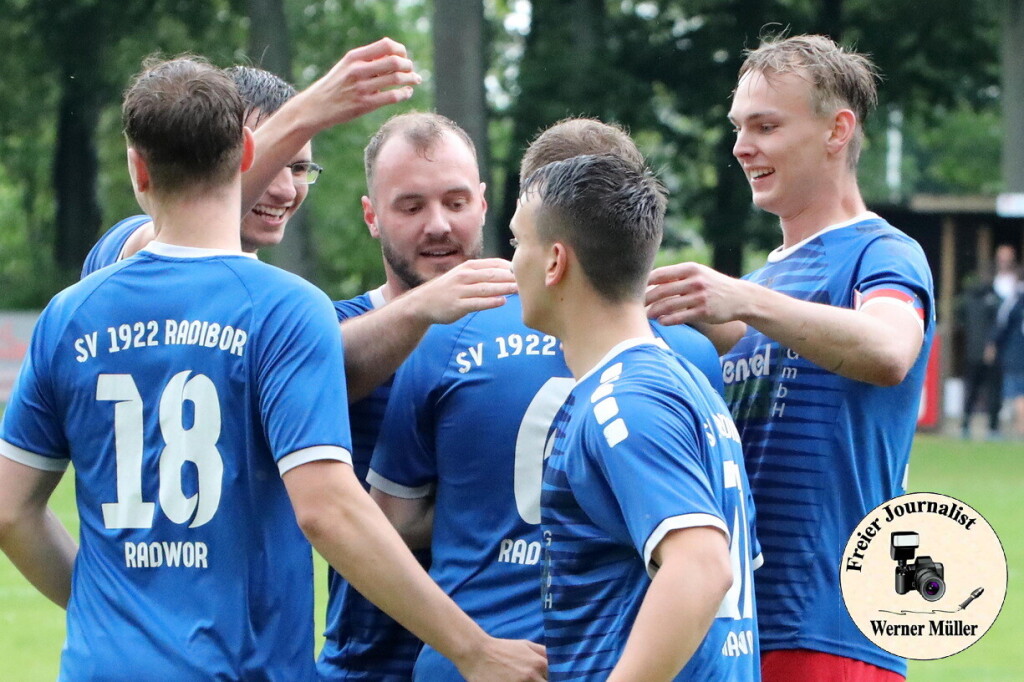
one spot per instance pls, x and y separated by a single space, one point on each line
351 532
877 345
364 80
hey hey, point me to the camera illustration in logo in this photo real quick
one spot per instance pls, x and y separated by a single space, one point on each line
924 575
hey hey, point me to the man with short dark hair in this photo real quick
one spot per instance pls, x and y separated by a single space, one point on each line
192 388
279 181
425 204
647 556
834 334
452 476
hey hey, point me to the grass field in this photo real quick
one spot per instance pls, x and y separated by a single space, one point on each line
987 476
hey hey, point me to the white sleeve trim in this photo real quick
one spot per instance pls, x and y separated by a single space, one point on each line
758 561
677 523
313 454
31 459
393 489
894 301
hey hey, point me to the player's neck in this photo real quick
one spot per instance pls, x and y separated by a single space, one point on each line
210 221
837 205
590 331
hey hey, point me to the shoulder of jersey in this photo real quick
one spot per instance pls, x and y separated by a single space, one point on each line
625 392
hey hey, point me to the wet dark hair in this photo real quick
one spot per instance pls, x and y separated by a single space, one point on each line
609 212
262 91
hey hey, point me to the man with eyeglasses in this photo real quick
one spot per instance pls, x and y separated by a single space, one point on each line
366 79
263 224
199 464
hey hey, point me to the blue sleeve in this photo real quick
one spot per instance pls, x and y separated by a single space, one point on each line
300 375
648 449
404 460
353 307
894 262
689 343
32 430
107 250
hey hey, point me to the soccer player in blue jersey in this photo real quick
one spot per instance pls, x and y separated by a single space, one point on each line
187 416
836 330
647 534
364 80
459 458
425 204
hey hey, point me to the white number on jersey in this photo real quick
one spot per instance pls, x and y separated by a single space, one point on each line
197 444
739 553
532 447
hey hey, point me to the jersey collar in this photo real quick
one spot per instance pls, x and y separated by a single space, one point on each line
621 347
781 253
176 251
377 297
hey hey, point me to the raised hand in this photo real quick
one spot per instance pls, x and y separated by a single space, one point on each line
364 80
690 292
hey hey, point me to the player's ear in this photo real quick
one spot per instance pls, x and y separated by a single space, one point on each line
370 217
248 148
844 126
138 170
557 264
483 200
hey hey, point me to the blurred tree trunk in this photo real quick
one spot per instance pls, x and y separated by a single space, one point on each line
270 49
75 167
830 19
727 228
560 75
1013 95
460 65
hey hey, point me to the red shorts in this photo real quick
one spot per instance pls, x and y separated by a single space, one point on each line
802 665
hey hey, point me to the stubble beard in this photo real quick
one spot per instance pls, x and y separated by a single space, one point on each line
404 269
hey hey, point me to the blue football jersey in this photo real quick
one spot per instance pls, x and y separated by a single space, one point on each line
361 641
642 446
467 423
108 249
182 384
823 450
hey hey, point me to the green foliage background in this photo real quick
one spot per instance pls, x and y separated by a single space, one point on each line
664 68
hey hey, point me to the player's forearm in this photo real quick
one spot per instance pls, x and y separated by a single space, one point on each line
352 534
878 348
678 609
378 342
43 551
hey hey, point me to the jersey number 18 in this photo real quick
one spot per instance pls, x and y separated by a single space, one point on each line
197 444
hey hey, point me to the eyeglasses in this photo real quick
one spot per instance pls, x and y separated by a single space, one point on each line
305 172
